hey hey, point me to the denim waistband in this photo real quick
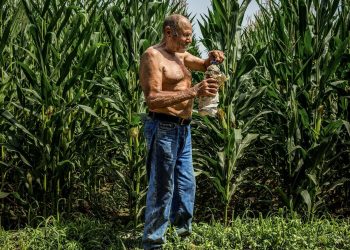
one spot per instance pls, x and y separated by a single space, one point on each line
169 118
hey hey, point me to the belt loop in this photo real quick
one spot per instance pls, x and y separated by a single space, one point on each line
182 120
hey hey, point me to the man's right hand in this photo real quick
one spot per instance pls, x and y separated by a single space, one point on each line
207 87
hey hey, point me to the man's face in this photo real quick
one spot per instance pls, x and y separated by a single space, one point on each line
183 39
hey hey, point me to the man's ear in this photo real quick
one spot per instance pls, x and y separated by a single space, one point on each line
168 31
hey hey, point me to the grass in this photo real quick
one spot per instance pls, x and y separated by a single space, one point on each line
245 233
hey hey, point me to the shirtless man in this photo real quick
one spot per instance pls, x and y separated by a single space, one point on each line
167 85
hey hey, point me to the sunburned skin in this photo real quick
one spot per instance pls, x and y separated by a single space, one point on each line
165 74
173 78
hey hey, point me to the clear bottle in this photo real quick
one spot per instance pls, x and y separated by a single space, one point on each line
209 105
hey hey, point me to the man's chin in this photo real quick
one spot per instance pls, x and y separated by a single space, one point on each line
183 50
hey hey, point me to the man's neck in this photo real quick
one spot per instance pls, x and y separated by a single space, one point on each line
167 48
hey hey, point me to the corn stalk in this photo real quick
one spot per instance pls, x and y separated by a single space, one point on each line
303 56
230 134
52 111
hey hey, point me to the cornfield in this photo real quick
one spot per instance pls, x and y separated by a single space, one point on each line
71 108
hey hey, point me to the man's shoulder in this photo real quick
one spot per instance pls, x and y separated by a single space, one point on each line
187 54
152 52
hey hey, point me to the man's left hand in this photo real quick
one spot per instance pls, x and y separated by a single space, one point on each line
216 55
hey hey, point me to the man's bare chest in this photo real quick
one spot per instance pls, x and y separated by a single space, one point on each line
175 72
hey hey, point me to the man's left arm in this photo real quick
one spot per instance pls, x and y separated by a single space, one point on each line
195 63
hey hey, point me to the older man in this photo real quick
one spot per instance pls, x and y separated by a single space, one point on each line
167 85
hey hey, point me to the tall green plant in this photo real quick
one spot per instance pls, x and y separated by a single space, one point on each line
51 112
230 133
304 52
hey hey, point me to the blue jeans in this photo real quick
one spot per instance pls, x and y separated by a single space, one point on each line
171 190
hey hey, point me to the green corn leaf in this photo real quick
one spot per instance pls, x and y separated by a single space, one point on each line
10 118
308 43
335 59
135 120
88 110
20 95
307 199
245 143
334 7
3 195
338 183
347 126
66 163
239 180
33 93
248 63
28 11
18 151
242 10
207 121
220 10
18 197
216 181
284 197
72 55
313 178
46 7
254 97
304 117
29 74
6 33
333 127
68 12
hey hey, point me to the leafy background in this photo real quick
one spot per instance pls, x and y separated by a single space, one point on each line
71 109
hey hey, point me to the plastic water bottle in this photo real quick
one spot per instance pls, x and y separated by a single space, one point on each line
209 105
